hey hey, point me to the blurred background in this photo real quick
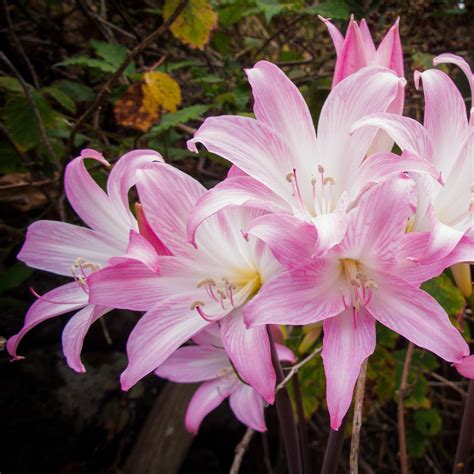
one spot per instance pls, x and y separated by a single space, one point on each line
57 57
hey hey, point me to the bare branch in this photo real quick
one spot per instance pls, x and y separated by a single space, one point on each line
240 451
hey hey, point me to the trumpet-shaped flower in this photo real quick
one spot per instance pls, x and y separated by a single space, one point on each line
303 181
208 362
194 287
370 276
75 251
447 141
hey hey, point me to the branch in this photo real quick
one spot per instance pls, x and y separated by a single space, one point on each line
297 367
357 422
105 89
36 114
240 451
401 414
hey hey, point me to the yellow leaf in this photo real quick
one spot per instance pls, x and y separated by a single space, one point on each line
160 91
194 25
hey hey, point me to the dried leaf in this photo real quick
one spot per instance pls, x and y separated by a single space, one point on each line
161 89
133 111
194 25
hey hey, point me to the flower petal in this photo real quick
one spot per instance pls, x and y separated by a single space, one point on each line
466 367
61 300
348 341
285 354
55 246
75 331
207 397
249 351
336 36
238 191
157 335
305 295
195 364
168 196
417 316
390 52
248 407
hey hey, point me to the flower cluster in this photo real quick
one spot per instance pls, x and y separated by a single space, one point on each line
325 225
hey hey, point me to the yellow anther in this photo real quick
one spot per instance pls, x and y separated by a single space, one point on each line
196 304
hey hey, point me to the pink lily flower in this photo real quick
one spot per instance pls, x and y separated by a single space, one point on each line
208 362
74 251
447 141
305 182
193 287
370 276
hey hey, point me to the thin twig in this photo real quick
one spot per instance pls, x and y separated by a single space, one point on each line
401 412
36 114
357 422
297 367
19 46
446 382
106 87
240 451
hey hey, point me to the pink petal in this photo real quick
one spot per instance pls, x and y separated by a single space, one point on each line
55 246
251 145
235 171
348 341
285 354
75 331
248 407
168 196
191 364
466 367
157 335
293 247
238 191
390 52
208 397
445 118
331 229
147 232
89 201
61 300
122 178
368 91
336 35
301 296
279 104
249 351
209 336
417 316
367 40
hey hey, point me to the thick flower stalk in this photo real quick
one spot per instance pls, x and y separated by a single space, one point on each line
370 276
305 182
75 251
208 362
194 287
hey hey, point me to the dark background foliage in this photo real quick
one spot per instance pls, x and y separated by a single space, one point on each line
54 420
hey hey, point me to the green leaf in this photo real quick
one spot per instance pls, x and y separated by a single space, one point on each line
335 9
63 99
270 8
90 63
114 54
14 276
76 90
428 422
446 293
9 160
10 84
416 444
181 116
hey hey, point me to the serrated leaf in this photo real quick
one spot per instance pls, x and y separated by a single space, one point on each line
160 90
61 98
446 293
90 63
181 116
416 444
76 90
10 84
428 422
195 23
114 54
9 160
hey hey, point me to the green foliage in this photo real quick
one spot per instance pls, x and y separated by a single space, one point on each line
14 276
182 116
446 293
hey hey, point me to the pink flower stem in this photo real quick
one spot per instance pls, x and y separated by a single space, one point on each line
332 454
466 435
286 417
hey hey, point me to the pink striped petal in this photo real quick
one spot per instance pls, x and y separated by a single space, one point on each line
336 36
75 331
209 336
293 247
238 191
168 196
147 232
331 229
249 351
348 341
417 316
466 367
55 246
208 397
367 40
195 364
248 407
390 52
61 300
157 335
301 296
285 354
